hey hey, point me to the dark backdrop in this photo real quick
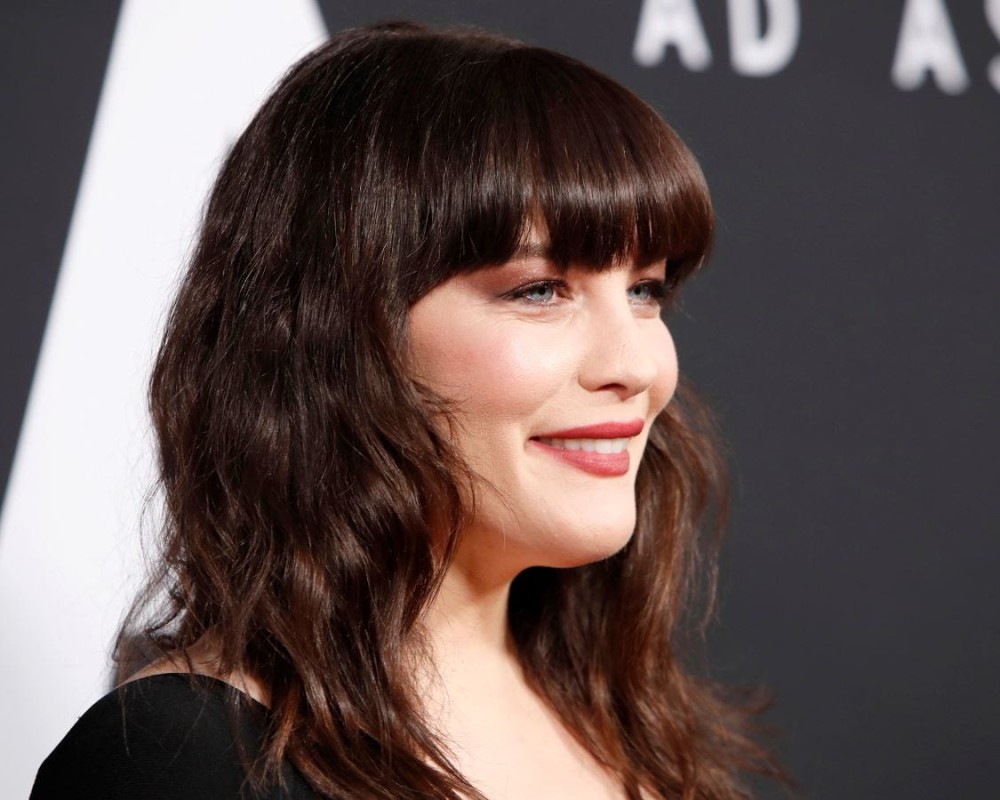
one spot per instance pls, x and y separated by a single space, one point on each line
846 333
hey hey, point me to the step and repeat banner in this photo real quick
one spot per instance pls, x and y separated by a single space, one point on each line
845 331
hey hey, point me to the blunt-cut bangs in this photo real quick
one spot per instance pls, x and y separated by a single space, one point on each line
582 158
493 138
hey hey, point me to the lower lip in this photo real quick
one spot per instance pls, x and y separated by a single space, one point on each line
606 464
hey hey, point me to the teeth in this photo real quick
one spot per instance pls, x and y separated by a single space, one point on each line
605 446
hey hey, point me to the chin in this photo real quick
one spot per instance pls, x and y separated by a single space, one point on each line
596 546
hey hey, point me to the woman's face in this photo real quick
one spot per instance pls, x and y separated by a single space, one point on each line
555 379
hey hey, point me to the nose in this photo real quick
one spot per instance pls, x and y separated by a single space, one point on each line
618 354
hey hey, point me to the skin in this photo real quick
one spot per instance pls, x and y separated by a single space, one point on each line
524 349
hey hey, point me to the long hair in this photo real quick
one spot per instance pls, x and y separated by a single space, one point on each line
305 483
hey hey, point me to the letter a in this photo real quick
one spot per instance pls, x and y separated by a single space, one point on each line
663 23
927 44
756 52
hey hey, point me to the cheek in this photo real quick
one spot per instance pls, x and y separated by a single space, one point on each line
494 373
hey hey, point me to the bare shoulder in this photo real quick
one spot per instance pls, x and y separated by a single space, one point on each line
202 660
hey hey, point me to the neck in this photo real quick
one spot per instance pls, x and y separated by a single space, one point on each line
467 636
469 614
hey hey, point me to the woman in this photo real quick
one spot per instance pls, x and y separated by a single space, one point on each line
432 506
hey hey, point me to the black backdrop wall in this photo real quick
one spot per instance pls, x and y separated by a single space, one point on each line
846 332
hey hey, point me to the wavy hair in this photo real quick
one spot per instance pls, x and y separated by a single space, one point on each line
305 483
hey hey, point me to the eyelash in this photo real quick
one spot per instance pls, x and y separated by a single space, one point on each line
660 292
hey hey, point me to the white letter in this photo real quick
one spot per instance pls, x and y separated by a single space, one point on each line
993 15
181 78
756 52
671 22
927 44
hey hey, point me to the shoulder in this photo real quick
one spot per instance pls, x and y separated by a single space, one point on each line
165 736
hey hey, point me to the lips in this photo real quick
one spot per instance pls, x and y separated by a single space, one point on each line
600 449
602 430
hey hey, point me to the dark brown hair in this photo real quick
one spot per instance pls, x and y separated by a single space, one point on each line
302 472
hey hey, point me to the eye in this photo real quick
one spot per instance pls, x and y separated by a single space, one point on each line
650 292
538 293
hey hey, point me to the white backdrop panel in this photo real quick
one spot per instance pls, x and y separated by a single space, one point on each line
183 79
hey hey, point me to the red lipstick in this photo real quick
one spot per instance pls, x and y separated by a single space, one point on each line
602 430
603 464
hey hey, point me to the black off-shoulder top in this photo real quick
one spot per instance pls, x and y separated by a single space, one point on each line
168 737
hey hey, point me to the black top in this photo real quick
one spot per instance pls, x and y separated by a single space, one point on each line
161 737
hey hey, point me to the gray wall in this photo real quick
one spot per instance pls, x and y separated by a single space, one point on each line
845 331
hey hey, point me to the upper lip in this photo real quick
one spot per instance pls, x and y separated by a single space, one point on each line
602 430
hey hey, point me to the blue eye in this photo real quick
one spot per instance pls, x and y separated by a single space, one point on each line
651 291
540 293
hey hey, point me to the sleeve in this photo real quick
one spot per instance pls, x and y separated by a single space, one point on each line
155 738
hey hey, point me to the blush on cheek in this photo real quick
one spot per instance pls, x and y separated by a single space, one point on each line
535 364
444 356
503 371
471 371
